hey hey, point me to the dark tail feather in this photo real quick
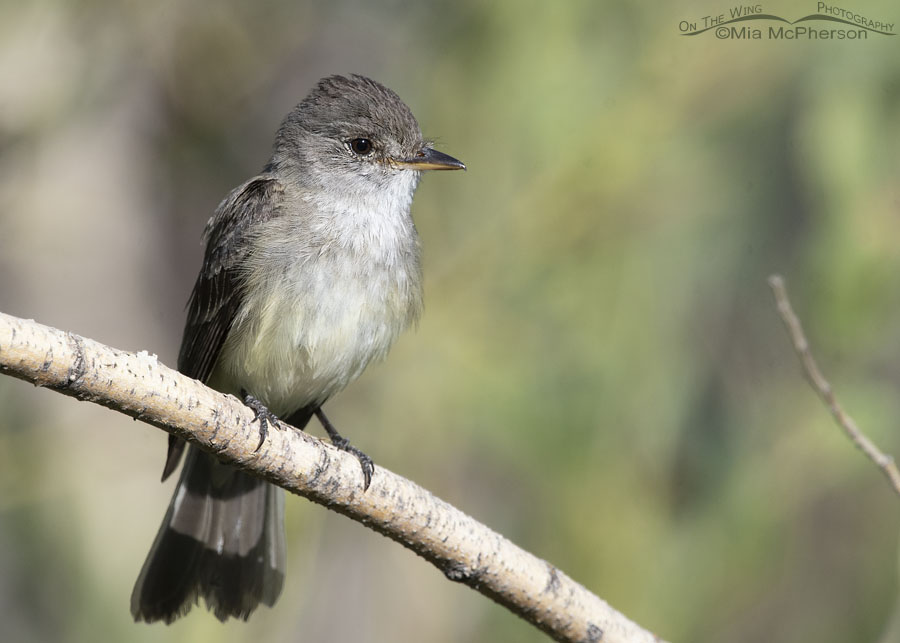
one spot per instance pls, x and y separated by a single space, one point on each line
222 539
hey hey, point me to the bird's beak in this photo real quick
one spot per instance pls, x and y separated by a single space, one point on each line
430 159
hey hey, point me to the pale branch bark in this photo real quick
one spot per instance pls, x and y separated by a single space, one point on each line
823 388
466 551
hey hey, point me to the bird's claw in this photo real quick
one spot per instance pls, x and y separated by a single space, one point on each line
342 443
261 413
368 467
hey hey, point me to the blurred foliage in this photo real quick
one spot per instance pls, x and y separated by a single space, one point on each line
600 374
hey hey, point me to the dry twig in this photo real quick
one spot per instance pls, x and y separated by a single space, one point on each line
823 388
463 549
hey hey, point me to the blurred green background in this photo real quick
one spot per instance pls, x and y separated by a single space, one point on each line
599 375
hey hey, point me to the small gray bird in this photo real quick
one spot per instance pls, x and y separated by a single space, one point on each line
311 271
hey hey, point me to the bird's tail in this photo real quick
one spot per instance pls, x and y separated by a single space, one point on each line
222 539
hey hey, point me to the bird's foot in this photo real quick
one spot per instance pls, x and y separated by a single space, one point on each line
342 443
261 413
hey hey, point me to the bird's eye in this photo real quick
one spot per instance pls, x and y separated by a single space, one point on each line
361 146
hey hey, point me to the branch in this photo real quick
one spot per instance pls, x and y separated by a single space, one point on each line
466 551
823 388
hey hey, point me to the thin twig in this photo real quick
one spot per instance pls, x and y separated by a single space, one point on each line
823 388
462 548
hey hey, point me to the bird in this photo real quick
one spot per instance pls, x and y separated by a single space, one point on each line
311 270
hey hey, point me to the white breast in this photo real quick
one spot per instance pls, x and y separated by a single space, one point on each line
318 310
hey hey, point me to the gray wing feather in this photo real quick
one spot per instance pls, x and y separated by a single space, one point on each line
217 295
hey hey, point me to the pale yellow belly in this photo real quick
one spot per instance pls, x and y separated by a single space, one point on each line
290 351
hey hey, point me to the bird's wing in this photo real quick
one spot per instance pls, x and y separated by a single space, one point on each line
217 295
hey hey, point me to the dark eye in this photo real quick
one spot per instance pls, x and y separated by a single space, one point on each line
361 146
